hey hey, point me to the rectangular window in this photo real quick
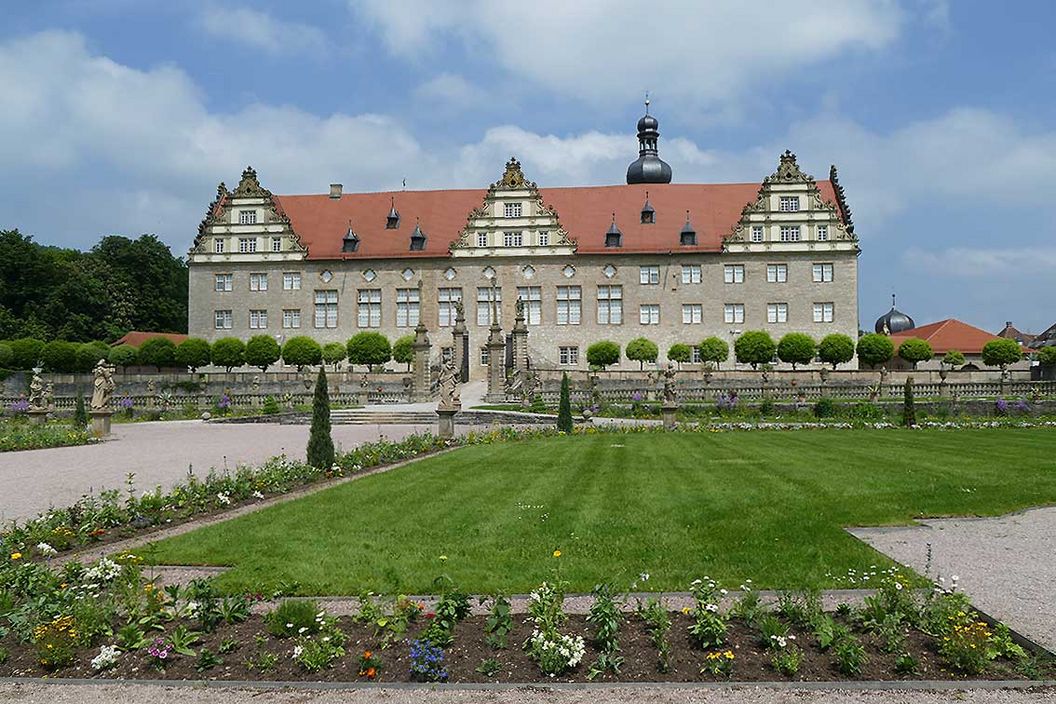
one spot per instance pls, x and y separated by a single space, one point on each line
568 355
823 312
276 244
544 239
694 355
224 282
223 319
533 303
569 305
789 204
790 233
326 308
485 355
776 273
258 319
291 281
447 355
610 305
368 313
777 312
258 282
247 217
733 273
247 245
511 210
482 239
218 246
823 233
291 318
733 313
822 273
512 239
407 307
757 233
692 313
649 314
484 300
691 274
648 275
446 300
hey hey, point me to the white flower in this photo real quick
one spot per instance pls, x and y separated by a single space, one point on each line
223 498
258 495
289 625
107 657
723 592
713 608
46 550
297 650
644 576
301 630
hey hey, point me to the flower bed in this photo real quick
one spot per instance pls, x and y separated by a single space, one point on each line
108 620
19 435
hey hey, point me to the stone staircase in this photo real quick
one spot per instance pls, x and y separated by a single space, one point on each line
360 416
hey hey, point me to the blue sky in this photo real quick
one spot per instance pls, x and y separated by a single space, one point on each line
121 116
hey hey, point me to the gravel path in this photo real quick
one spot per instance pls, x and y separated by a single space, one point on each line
1007 565
116 693
160 454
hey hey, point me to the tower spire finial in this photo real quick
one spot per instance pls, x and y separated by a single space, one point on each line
646 102
892 300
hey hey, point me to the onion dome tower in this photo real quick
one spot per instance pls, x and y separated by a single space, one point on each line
893 321
648 167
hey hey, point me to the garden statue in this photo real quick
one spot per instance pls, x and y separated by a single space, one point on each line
36 392
255 384
49 396
669 384
448 383
152 394
103 386
531 384
460 311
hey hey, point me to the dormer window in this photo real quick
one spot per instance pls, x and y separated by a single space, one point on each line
648 213
417 239
613 238
392 220
511 210
688 236
350 242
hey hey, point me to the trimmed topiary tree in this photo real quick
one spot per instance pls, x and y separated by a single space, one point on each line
874 349
193 353
603 353
1047 356
333 353
564 407
714 349
796 348
262 351
755 347
59 356
914 350
320 444
909 410
6 355
836 349
679 352
403 350
229 352
1001 352
89 354
122 356
302 352
369 348
157 352
642 350
953 359
80 414
26 352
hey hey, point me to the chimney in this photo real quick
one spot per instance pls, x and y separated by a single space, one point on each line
1008 323
335 190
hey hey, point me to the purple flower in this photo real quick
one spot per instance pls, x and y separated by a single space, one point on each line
19 406
1022 406
224 402
1001 406
126 403
636 396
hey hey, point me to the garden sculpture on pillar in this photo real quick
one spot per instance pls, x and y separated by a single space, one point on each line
670 404
824 374
152 394
421 382
520 339
496 354
459 347
102 393
38 408
363 395
450 403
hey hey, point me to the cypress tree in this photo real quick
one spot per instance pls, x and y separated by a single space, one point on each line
320 444
909 411
564 409
80 416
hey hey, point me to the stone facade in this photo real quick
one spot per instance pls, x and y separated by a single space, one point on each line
789 263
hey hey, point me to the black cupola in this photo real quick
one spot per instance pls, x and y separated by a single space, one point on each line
648 167
392 220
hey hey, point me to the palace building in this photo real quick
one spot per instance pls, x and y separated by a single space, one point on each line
672 262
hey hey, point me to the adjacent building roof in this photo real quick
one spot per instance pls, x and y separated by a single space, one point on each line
136 338
949 334
1046 338
586 213
1010 332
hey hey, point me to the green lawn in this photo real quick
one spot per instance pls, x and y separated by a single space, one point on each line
769 506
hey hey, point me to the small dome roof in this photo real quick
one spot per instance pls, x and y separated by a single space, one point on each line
648 122
649 168
893 321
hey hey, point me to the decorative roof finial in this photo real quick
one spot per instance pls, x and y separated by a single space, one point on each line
646 102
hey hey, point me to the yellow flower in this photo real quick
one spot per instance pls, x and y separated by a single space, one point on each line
685 609
16 556
557 553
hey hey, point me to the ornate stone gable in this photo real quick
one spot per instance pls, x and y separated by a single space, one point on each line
249 186
811 216
513 220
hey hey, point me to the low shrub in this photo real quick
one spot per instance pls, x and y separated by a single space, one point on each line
294 617
824 408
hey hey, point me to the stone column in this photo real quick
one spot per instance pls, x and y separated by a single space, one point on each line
101 423
421 381
496 357
520 340
458 337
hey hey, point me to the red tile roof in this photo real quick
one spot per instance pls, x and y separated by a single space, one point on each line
946 335
584 212
136 338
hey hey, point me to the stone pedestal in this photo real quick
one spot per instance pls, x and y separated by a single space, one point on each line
519 340
37 416
421 382
446 425
458 349
668 413
101 423
496 367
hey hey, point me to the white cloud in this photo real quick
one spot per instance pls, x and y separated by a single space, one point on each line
966 262
261 31
450 92
705 53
